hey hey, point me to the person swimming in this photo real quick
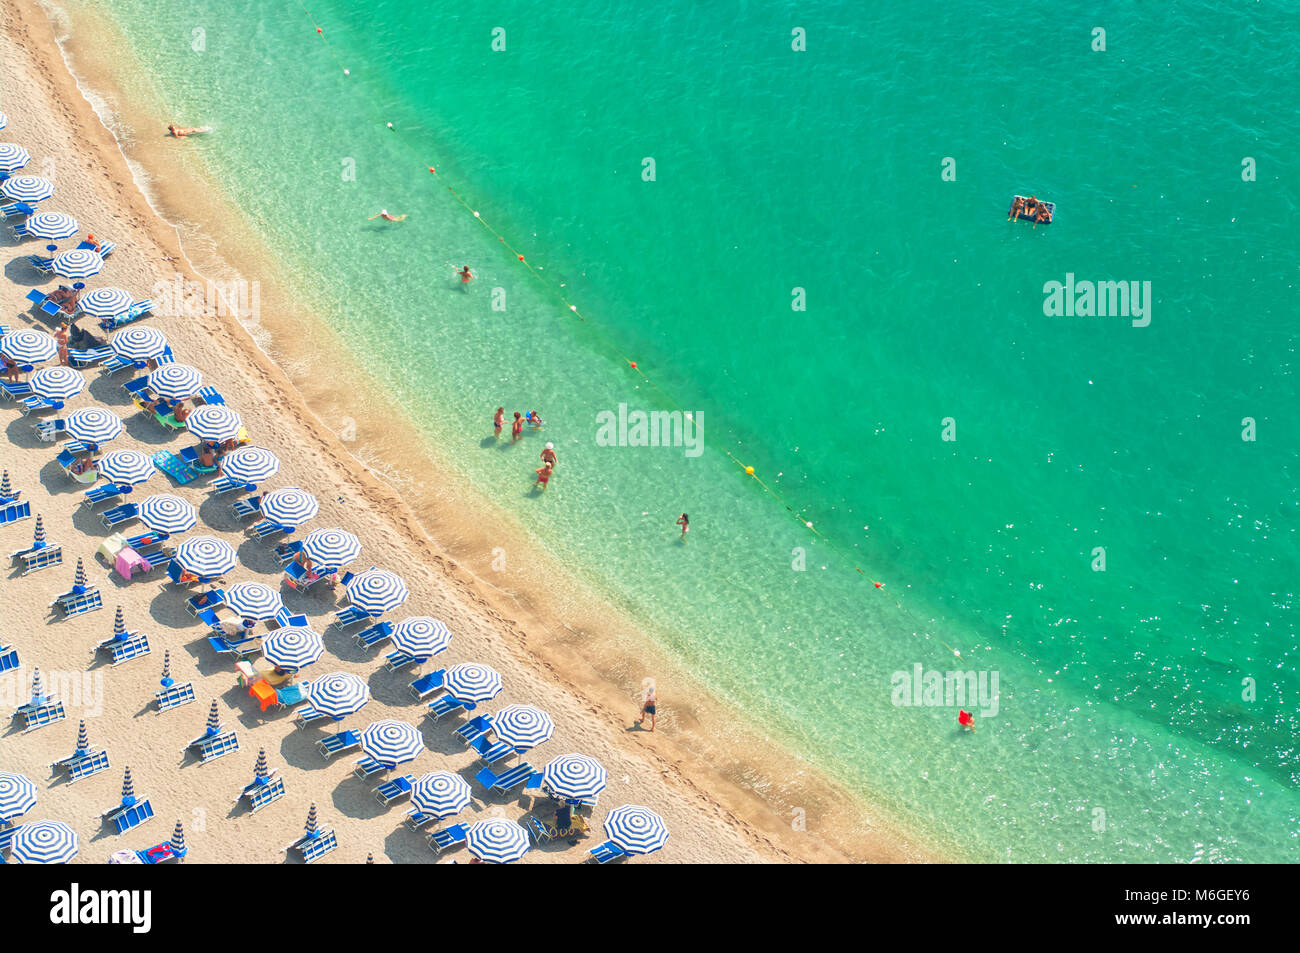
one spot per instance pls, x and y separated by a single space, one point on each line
383 213
466 276
180 132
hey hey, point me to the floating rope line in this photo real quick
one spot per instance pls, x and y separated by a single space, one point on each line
559 295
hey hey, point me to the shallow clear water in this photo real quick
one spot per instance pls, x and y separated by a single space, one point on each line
1119 691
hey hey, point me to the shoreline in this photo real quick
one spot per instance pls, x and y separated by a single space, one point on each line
592 657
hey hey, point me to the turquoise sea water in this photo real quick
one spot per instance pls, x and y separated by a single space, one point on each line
1122 731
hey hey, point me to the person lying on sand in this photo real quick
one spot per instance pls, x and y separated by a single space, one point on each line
180 132
383 213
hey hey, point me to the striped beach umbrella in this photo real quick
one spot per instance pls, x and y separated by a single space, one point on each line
126 466
635 829
119 623
206 556
496 840
250 464
370 858
289 506
471 682
6 488
38 537
38 688
93 425
420 637
214 422
128 788
52 225
29 346
105 302
17 796
522 726
79 579
78 263
177 381
338 694
254 600
261 770
4 120
214 720
166 679
58 383
43 842
164 513
292 648
392 742
83 738
27 188
178 838
376 591
13 158
138 343
312 825
574 777
441 794
331 547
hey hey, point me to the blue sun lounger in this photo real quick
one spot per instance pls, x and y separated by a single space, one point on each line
104 494
350 616
447 837
305 715
426 685
365 767
248 648
132 645
314 846
41 302
490 752
444 706
16 208
38 716
286 553
8 658
119 514
213 746
373 634
259 795
210 395
212 599
415 819
174 697
337 744
48 431
125 816
508 779
162 853
83 764
604 853
268 528
225 484
474 729
89 357
286 619
14 391
393 790
247 506
13 512
78 600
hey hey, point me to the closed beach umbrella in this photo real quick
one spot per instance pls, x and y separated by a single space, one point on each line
376 591
38 537
471 682
214 422
29 346
254 600
312 825
13 158
4 120
441 794
206 556
177 381
78 263
338 694
52 225
17 796
522 726
164 513
289 506
392 742
250 464
79 582
126 466
294 647
178 838
420 637
128 788
119 626
213 725
261 770
43 842
635 829
331 547
58 383
574 777
27 188
6 490
496 840
93 425
106 302
136 344
167 669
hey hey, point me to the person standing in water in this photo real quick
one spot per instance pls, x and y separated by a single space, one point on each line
649 701
548 456
517 428
684 522
544 475
383 213
499 420
466 276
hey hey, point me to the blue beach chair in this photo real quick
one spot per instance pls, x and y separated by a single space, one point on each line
604 853
337 744
395 789
444 706
426 685
447 837
372 635
261 793
174 697
508 779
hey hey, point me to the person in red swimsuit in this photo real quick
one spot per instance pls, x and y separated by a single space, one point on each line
517 428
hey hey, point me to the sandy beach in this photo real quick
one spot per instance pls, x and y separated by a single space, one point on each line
726 793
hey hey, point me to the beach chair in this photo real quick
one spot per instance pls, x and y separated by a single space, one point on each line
314 846
226 484
508 779
604 853
174 696
246 507
268 528
41 263
48 431
490 752
286 619
474 729
103 248
41 302
260 794
366 767
137 387
337 744
245 649
134 645
16 390
83 765
210 395
297 577
373 634
119 514
213 621
212 599
305 715
36 404
116 362
16 208
393 790
162 559
38 716
533 786
89 357
13 512
426 685
125 816
215 745
415 819
539 830
190 457
286 553
350 616
444 706
79 603
8 658
447 837
109 492
400 659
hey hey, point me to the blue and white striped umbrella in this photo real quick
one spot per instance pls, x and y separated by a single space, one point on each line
206 556
29 346
331 547
254 600
164 513
13 158
338 694
574 777
496 840
177 381
105 302
392 742
126 466
27 188
420 637
292 647
214 422
250 464
289 506
635 829
138 343
17 796
51 225
43 842
4 120
58 383
522 726
93 425
376 591
78 263
470 682
441 794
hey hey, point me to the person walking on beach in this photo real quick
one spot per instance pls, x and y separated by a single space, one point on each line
466 276
499 420
544 475
383 213
548 456
517 428
61 335
684 522
649 701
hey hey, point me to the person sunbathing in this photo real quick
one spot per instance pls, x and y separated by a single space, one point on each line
162 406
180 413
180 132
206 457
1017 208
1044 213
93 242
83 465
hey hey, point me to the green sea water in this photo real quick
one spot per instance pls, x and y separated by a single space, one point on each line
1147 712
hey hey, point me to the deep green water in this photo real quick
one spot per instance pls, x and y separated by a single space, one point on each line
1120 691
